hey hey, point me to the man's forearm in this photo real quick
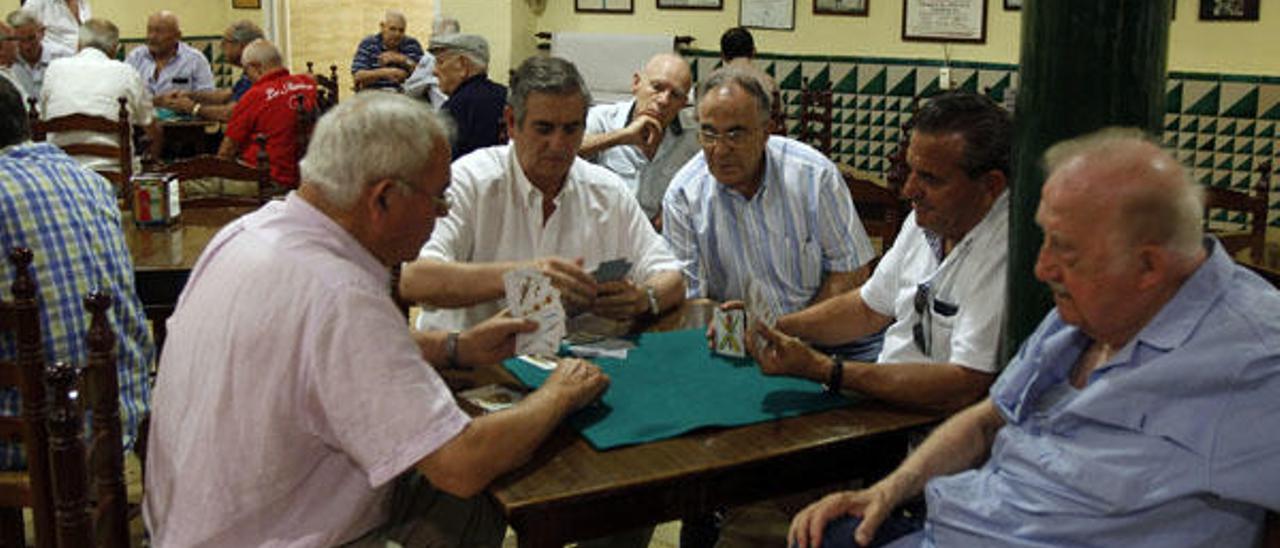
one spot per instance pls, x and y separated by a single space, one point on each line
837 320
933 386
594 143
443 284
211 97
217 113
669 286
962 442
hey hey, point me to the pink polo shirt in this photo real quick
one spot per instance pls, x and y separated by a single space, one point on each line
290 392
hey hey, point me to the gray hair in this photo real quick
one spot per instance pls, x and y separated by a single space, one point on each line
22 18
245 31
395 14
263 53
369 138
749 83
551 75
445 25
100 34
1160 204
480 63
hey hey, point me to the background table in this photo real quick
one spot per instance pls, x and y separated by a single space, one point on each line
569 491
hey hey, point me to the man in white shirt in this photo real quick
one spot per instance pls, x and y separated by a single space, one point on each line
535 204
648 139
91 82
61 19
34 54
167 63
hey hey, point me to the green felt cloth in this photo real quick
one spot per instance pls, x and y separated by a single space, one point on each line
671 384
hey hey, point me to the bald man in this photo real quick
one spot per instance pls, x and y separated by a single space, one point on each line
167 64
385 59
1140 413
648 139
269 107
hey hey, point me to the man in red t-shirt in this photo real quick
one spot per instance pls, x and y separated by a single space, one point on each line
269 108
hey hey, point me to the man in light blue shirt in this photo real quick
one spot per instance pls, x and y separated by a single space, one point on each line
1142 410
167 64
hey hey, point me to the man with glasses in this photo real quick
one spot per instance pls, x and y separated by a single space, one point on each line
34 53
291 382
1140 413
536 204
940 289
647 139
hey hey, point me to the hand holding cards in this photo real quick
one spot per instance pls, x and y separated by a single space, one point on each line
610 271
729 327
530 295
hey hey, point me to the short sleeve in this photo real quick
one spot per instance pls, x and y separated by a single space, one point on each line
881 289
243 115
202 80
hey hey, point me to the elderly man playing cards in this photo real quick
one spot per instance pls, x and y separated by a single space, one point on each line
532 220
293 408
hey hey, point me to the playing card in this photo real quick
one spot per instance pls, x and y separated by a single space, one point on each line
729 331
492 397
610 271
545 341
531 295
547 364
521 286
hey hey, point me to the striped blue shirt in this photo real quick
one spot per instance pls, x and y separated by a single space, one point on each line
371 47
800 225
68 216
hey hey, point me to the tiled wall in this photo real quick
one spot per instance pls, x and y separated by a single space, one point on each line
1221 126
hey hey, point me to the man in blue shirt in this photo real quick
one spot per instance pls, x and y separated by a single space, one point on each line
385 59
167 63
475 102
1140 413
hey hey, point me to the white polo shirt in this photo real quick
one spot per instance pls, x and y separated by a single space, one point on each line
90 83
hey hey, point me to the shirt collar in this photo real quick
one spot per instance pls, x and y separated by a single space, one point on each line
92 52
1176 320
273 75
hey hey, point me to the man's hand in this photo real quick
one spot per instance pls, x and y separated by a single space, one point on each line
872 505
711 327
395 74
577 288
620 300
393 59
783 354
645 132
576 383
492 340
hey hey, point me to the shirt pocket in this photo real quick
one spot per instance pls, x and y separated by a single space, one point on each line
798 262
942 321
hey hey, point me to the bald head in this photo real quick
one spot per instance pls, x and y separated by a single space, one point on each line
163 33
392 29
1132 185
661 87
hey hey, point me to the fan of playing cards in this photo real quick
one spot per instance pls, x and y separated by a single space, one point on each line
531 295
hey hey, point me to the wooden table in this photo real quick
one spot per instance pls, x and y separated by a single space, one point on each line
188 138
569 491
163 257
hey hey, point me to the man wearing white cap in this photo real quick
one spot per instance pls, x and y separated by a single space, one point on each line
475 102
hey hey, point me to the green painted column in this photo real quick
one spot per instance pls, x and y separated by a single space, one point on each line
1085 65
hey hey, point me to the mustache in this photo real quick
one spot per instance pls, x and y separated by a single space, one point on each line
1058 288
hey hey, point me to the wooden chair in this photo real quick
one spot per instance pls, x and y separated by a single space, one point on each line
1254 204
121 154
777 115
882 210
206 166
327 95
304 122
816 127
107 524
32 488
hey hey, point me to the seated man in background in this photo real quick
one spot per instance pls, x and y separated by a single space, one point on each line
216 104
423 83
314 417
67 216
270 108
91 82
1140 413
738 50
61 19
34 55
475 102
647 139
385 59
167 63
535 204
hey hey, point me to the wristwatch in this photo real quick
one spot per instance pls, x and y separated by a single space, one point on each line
654 309
836 379
451 350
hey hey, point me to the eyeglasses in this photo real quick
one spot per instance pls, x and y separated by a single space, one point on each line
926 304
732 138
440 205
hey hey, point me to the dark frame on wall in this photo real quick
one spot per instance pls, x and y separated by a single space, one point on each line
690 4
919 25
604 6
1229 10
859 8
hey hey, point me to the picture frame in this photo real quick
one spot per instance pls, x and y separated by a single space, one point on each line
604 6
1229 10
246 4
690 4
767 14
1012 5
955 21
858 8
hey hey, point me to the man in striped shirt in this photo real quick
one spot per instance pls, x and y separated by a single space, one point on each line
385 59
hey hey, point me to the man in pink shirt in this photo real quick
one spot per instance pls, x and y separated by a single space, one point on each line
293 407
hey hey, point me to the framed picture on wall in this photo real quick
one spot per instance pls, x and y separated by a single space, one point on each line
841 7
768 14
1229 10
603 6
950 21
247 4
691 4
1012 5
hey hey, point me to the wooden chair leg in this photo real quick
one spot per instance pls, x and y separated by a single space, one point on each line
13 534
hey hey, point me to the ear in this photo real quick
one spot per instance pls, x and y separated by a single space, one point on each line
1153 266
635 82
995 182
509 114
376 198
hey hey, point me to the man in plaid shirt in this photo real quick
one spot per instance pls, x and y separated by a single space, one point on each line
67 216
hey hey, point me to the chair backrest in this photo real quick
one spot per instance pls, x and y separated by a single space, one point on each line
107 525
304 122
120 154
1253 205
881 210
815 117
21 317
206 166
327 95
777 114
